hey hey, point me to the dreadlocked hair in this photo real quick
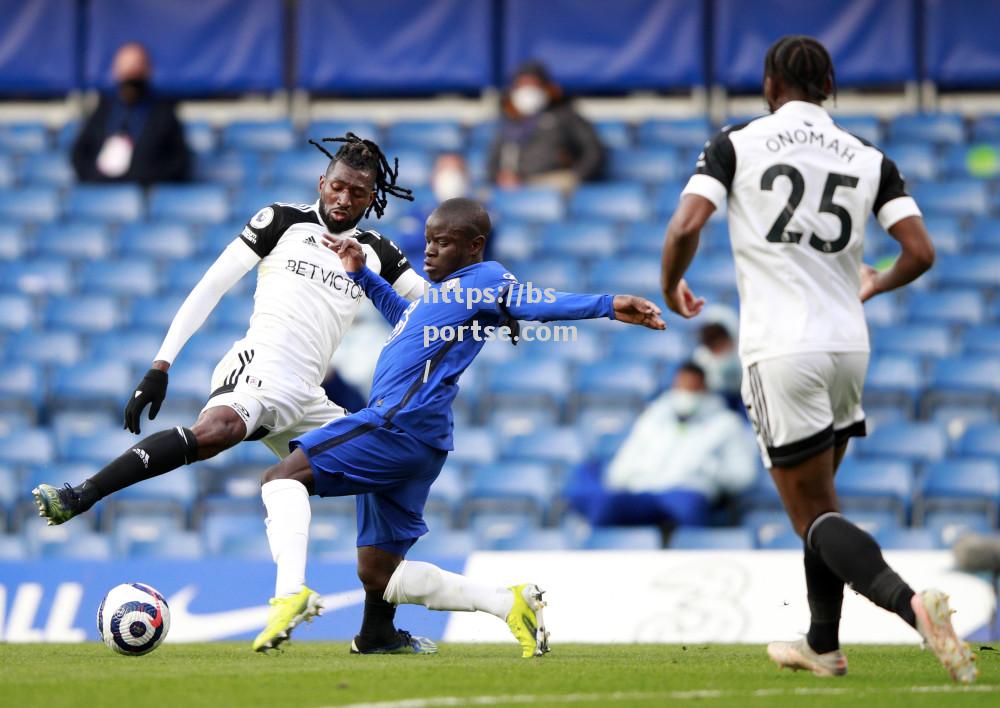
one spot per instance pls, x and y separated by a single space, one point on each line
367 156
802 62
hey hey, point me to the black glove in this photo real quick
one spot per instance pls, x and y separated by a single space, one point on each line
152 389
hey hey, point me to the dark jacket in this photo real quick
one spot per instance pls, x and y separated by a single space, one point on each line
558 138
160 153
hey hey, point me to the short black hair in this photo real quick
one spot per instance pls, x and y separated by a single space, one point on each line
465 215
802 62
367 156
712 333
691 368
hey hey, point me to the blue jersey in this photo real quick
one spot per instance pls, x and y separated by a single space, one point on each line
436 338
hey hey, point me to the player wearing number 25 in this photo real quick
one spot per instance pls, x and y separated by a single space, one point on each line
799 190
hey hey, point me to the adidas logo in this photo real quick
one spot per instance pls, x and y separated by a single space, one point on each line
143 455
311 242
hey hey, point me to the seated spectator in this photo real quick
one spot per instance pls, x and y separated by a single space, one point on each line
132 136
718 356
684 452
541 139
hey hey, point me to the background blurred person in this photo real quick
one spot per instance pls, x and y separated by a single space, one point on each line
133 135
717 355
542 140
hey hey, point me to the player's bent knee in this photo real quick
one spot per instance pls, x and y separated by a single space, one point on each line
218 430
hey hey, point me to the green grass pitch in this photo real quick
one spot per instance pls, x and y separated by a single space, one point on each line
311 674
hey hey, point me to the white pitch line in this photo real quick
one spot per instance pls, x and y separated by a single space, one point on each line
448 701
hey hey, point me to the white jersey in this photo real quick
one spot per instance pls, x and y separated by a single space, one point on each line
800 189
305 300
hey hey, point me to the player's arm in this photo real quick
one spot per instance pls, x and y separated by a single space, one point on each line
705 192
385 299
513 302
397 271
898 214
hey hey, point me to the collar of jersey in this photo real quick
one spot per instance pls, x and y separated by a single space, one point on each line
806 110
458 273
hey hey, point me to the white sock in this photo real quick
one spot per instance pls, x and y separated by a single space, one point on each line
288 516
417 583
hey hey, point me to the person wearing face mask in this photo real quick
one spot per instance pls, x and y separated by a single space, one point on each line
684 452
133 135
716 353
542 140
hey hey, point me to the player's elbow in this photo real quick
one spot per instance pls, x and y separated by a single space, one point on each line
923 254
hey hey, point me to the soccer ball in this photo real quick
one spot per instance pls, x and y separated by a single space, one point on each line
133 619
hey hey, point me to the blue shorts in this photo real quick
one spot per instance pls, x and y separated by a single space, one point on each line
389 471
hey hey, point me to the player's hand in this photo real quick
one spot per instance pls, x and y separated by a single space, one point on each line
869 282
151 390
350 251
683 302
638 310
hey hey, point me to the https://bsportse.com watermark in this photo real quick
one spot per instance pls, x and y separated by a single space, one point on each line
513 295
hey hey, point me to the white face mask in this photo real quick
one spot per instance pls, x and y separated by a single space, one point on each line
529 100
449 184
685 403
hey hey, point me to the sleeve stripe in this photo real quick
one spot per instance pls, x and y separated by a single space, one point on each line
708 187
896 210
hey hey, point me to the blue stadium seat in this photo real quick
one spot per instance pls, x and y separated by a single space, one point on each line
712 273
556 445
236 169
300 167
916 161
246 548
645 236
14 242
215 238
981 270
914 340
645 164
545 382
78 546
46 169
259 136
6 171
11 490
510 483
192 382
106 202
92 313
883 311
731 539
13 548
481 135
667 196
448 489
937 128
666 346
986 128
154 313
492 527
179 487
36 277
967 161
98 446
415 166
951 307
915 442
161 240
33 204
132 276
77 240
67 472
101 382
894 378
765 525
26 447
531 203
146 526
682 132
22 387
16 313
632 381
862 126
597 420
538 540
964 379
985 234
878 482
614 134
67 424
949 526
474 446
66 135
961 484
44 347
319 129
629 538
437 135
982 440
957 417
452 544
784 541
959 197
559 273
189 203
947 234
182 275
24 138
611 200
174 546
904 539
233 312
208 347
582 239
626 275
200 136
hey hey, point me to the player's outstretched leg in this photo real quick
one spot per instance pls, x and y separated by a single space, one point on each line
520 606
934 624
155 455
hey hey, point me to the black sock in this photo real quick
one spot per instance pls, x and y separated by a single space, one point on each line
826 595
856 558
150 457
377 628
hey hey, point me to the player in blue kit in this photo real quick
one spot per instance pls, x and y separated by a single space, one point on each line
390 453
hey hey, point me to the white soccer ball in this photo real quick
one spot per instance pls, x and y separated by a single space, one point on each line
133 619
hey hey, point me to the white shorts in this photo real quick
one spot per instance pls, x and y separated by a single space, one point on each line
276 405
803 404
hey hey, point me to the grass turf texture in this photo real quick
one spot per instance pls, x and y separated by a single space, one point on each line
311 674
